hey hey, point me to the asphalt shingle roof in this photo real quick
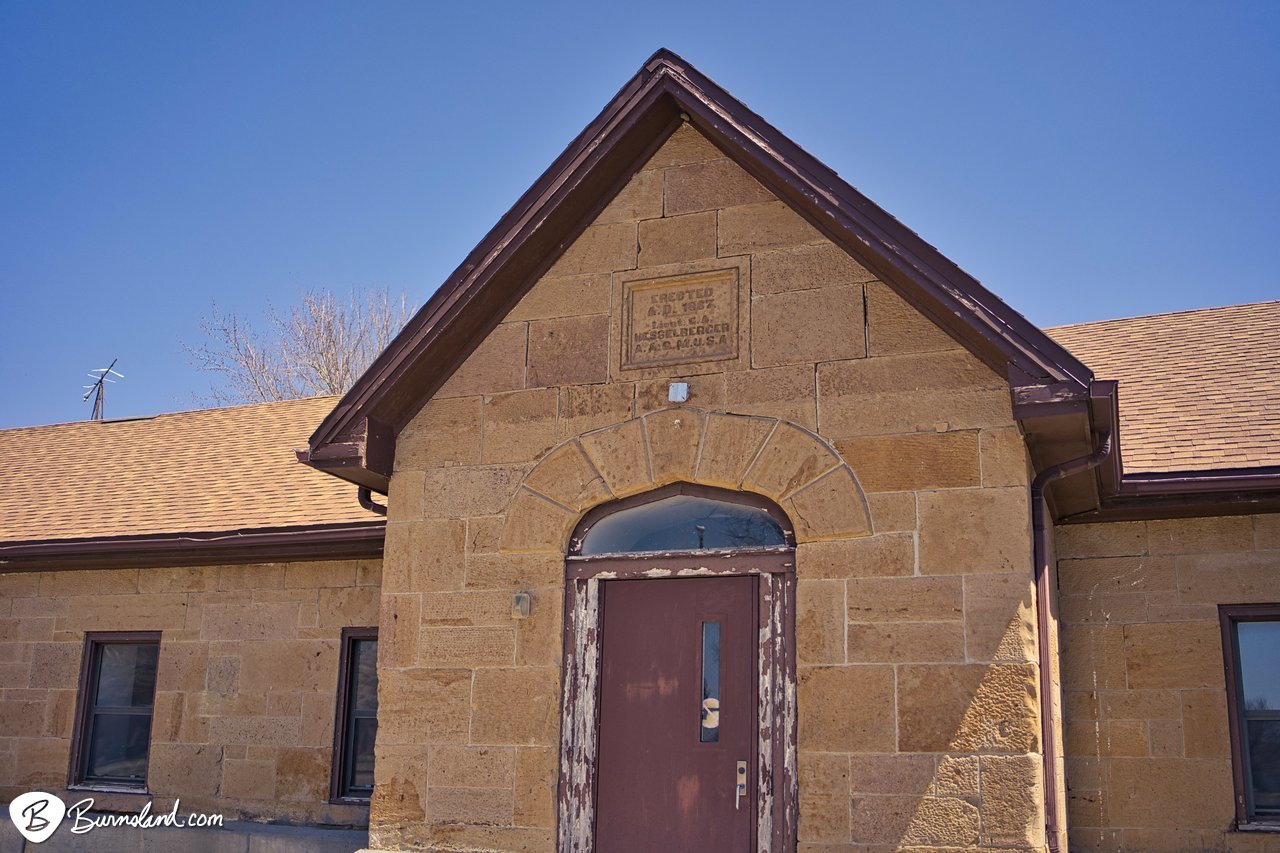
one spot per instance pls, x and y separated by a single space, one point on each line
1198 389
213 470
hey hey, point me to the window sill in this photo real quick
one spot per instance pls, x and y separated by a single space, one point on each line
107 788
349 801
1259 826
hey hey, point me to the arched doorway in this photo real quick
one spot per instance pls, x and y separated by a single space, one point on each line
679 696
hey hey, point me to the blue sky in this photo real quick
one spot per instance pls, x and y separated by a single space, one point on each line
1084 160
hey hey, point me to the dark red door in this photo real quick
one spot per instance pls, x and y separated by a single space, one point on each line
677 715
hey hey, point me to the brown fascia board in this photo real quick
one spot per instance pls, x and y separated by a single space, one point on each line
347 541
1185 494
595 166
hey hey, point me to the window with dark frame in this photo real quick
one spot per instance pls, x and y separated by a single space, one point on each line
1251 638
113 723
357 721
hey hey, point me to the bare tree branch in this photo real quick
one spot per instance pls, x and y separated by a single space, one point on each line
319 346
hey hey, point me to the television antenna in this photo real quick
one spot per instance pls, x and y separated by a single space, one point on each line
98 390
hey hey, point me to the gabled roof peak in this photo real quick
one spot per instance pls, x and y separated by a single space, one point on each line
667 91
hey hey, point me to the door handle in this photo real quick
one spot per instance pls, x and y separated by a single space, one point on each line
740 787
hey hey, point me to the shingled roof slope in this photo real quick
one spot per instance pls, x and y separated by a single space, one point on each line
1199 390
212 470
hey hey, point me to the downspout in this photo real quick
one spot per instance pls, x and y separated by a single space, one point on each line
1043 574
365 495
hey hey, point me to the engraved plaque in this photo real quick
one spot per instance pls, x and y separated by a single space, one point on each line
680 319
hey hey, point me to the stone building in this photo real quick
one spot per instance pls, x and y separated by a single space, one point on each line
722 512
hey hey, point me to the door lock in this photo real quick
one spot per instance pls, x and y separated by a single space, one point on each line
740 789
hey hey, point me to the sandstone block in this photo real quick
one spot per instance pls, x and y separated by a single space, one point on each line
1139 704
307 666
677 239
540 638
999 618
158 612
896 327
197 579
535 523
906 642
787 392
587 407
484 534
905 599
957 776
320 574
791 459
467 646
1004 457
684 146
516 571
569 350
729 446
1116 575
1202 789
1011 798
824 796
896 773
641 198
400 785
710 185
985 530
443 609
566 476
750 228
943 821
892 511
58 664
496 365
1165 737
1200 535
619 454
302 774
564 296
1235 578
820 622
424 555
845 709
1094 655
1173 655
65 584
938 460
967 708
535 786
265 621
831 507
600 248
398 627
471 766
783 326
349 608
516 706
805 268
1128 538
519 426
1266 532
674 437
468 491
482 806
186 770
886 555
446 431
1204 724
181 668
417 706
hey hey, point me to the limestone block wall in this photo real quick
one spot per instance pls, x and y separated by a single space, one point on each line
1148 749
917 684
246 684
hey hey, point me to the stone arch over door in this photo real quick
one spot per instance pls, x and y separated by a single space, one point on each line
768 456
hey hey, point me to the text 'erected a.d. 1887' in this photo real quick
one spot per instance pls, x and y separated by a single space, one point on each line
680 319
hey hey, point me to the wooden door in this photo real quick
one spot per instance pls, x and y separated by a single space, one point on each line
678 714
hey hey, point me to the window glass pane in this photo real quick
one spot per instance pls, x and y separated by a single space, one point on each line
1264 764
366 728
682 523
710 729
118 746
364 675
1260 665
126 675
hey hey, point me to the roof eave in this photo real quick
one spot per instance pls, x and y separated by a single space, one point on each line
342 541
